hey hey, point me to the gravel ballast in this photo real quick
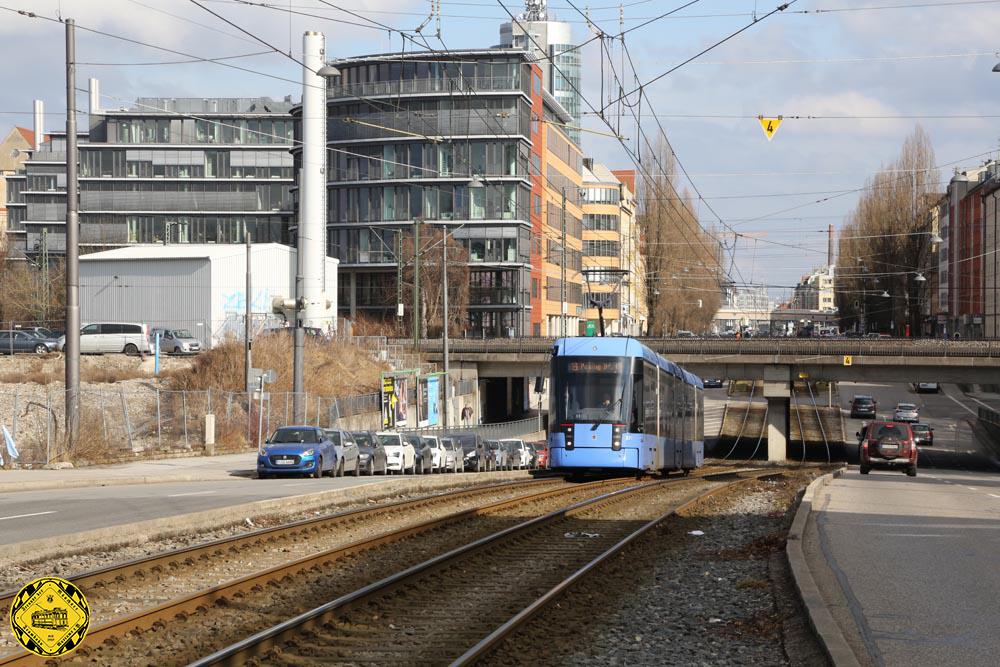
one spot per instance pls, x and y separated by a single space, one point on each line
675 597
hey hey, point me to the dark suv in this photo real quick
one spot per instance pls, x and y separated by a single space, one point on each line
887 445
863 407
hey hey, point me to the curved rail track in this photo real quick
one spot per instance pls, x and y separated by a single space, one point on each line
454 607
193 558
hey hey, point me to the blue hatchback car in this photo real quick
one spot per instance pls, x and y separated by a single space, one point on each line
303 450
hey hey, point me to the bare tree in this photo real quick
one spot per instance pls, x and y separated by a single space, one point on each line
884 239
682 265
432 281
26 297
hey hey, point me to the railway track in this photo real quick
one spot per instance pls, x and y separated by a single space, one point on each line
154 572
454 607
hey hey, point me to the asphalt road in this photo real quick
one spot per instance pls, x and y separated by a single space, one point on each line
947 412
34 514
916 559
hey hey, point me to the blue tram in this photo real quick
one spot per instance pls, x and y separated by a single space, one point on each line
614 404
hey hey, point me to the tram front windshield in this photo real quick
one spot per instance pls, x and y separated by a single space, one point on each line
590 389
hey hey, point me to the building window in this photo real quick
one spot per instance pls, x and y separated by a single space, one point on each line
601 248
601 222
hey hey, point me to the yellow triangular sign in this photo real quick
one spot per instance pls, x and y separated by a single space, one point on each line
769 125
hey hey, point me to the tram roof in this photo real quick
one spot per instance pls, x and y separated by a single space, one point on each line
620 346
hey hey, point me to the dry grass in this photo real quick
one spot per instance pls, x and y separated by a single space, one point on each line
105 369
331 369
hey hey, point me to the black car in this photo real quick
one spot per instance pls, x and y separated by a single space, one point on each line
474 452
371 456
424 462
863 407
712 383
923 435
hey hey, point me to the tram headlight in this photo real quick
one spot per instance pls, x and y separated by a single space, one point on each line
616 436
568 433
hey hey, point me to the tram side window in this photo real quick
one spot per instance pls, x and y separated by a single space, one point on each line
664 403
701 415
676 398
650 404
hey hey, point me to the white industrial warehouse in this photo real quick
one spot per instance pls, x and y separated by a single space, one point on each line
199 287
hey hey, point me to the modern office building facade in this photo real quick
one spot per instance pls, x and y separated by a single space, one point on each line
162 170
412 137
551 44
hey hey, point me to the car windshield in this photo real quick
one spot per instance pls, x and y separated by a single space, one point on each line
389 440
333 436
920 428
889 431
467 442
182 333
363 439
294 435
906 406
863 401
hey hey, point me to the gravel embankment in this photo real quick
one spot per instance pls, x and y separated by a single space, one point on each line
723 597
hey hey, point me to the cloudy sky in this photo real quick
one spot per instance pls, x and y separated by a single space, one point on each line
871 68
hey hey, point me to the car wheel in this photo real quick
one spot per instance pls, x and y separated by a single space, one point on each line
264 475
340 469
131 350
865 469
177 350
357 468
41 349
318 472
911 471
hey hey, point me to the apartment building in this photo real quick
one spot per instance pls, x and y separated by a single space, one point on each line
613 269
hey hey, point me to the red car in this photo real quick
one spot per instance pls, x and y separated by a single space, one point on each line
888 445
541 454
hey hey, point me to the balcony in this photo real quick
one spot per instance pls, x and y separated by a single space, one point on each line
425 86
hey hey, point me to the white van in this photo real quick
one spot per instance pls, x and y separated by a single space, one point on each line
104 337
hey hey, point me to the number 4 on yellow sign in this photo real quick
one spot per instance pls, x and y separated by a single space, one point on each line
769 125
848 360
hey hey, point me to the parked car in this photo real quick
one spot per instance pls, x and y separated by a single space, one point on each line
453 454
863 407
106 337
370 454
498 454
474 451
423 453
520 455
541 454
14 342
923 434
887 445
348 458
929 387
442 457
906 412
684 333
400 455
296 449
175 341
712 383
39 332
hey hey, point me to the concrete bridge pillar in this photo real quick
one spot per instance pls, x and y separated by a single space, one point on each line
778 396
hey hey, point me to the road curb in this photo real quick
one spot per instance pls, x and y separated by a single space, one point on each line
48 485
823 624
120 535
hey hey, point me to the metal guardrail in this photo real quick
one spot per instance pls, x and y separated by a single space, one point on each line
989 416
919 347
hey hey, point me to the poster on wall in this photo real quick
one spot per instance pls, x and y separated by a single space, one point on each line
388 402
433 411
401 411
422 400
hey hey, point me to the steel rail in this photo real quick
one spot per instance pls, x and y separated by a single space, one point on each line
189 555
164 613
485 645
261 642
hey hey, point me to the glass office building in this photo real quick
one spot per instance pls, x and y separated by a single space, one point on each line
408 133
163 170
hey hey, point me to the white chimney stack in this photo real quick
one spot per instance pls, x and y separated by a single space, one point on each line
312 187
39 124
95 96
